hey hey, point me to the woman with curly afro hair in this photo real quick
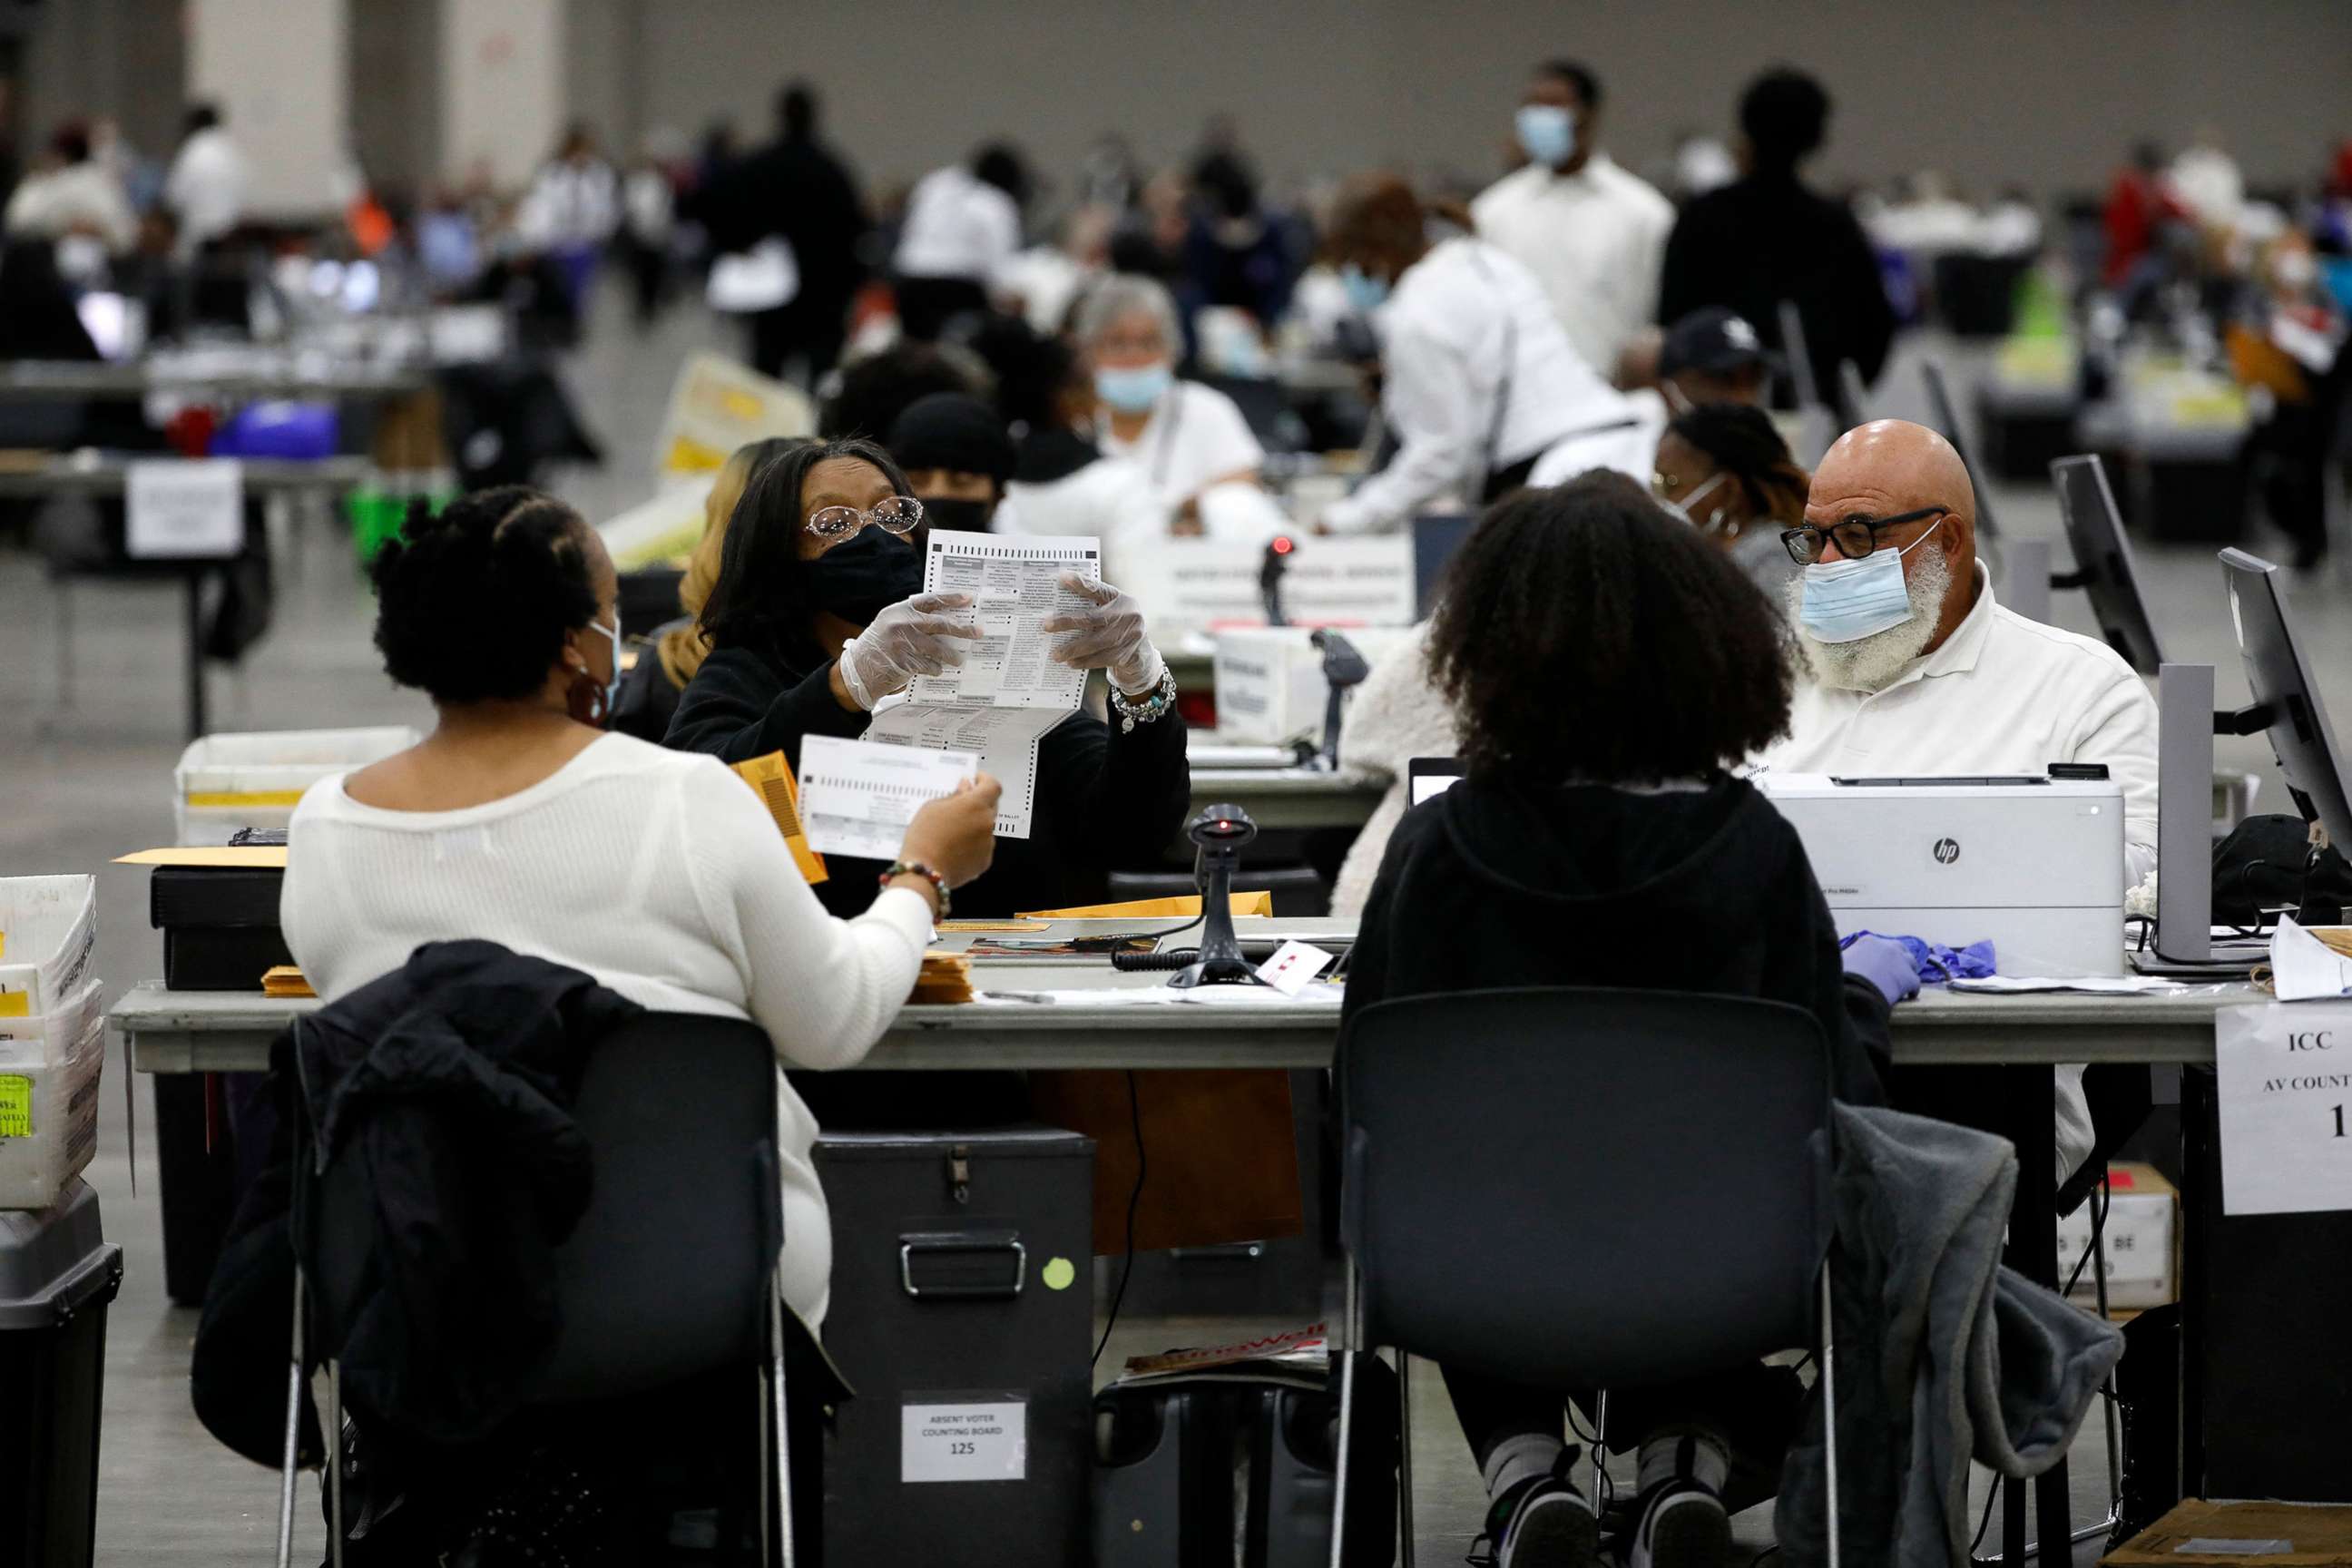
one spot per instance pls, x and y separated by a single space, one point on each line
1607 667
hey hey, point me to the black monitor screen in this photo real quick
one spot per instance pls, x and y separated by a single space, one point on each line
2103 558
2280 675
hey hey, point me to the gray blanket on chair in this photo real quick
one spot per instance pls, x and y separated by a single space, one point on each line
1942 1355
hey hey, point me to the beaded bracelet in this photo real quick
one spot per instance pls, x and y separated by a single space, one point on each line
916 868
1130 715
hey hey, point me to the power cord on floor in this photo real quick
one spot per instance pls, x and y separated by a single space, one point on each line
1134 1198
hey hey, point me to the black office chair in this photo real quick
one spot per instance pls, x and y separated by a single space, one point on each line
672 1271
1579 1189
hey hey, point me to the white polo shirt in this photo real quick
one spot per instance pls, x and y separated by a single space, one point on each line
1595 239
2003 695
957 226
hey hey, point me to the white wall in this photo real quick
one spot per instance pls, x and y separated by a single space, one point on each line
2048 93
502 86
279 72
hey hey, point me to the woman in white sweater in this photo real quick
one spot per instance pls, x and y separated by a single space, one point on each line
520 821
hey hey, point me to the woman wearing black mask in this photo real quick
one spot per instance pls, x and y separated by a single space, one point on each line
956 455
819 613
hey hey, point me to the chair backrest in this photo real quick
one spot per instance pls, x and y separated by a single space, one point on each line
1579 1188
667 1275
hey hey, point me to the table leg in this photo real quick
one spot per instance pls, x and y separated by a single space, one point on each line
195 653
2196 1139
2032 1100
194 1183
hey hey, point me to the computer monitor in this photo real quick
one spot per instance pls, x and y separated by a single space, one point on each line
2102 561
1948 420
1431 776
2280 679
1437 535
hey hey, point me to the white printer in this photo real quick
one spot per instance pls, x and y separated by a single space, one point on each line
2035 865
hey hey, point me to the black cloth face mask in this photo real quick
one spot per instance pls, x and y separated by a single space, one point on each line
858 580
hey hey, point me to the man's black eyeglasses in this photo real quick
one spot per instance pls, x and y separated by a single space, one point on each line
1855 537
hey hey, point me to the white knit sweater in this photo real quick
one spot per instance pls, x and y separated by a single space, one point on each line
658 872
1397 716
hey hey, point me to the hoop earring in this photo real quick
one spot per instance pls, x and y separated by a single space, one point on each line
585 701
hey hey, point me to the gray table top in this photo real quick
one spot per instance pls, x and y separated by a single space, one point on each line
35 380
169 1031
67 474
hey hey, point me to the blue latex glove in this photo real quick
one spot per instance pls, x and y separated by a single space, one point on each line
1885 964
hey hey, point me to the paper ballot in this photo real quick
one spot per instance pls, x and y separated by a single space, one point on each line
1008 691
857 799
2303 967
1014 583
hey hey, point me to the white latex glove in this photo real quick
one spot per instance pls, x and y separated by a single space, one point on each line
911 637
1109 635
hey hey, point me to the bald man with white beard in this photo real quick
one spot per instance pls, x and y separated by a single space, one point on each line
1912 668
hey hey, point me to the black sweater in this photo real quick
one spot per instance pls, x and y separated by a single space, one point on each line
1105 799
1766 238
1487 886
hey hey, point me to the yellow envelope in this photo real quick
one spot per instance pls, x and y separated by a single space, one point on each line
773 778
1153 908
247 856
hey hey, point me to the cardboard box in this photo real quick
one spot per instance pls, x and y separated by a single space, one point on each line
2142 1236
2305 1535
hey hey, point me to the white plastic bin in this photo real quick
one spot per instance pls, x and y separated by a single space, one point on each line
224 783
49 927
50 1072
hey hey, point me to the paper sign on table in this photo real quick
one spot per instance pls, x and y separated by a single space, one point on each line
2303 967
2283 1105
183 509
1293 967
984 1441
857 799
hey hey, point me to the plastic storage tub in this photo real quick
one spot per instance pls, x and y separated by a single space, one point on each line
58 1275
228 781
49 927
49 1070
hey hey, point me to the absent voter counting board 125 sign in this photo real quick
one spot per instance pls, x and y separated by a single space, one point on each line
976 1439
183 510
2283 1096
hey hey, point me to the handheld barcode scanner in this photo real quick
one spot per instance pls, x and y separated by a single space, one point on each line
1269 577
1218 835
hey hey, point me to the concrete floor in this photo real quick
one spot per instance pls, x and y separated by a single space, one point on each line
81 783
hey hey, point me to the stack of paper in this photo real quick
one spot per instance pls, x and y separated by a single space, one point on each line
945 977
1301 1355
285 981
1009 691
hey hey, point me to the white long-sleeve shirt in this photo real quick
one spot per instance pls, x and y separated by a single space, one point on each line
661 874
1468 331
1595 239
80 198
206 188
958 226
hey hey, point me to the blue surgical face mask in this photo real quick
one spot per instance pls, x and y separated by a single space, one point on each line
1548 131
1365 293
1847 600
613 686
1682 509
1136 389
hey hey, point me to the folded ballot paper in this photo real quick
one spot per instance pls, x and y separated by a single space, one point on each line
2307 966
1008 691
857 797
